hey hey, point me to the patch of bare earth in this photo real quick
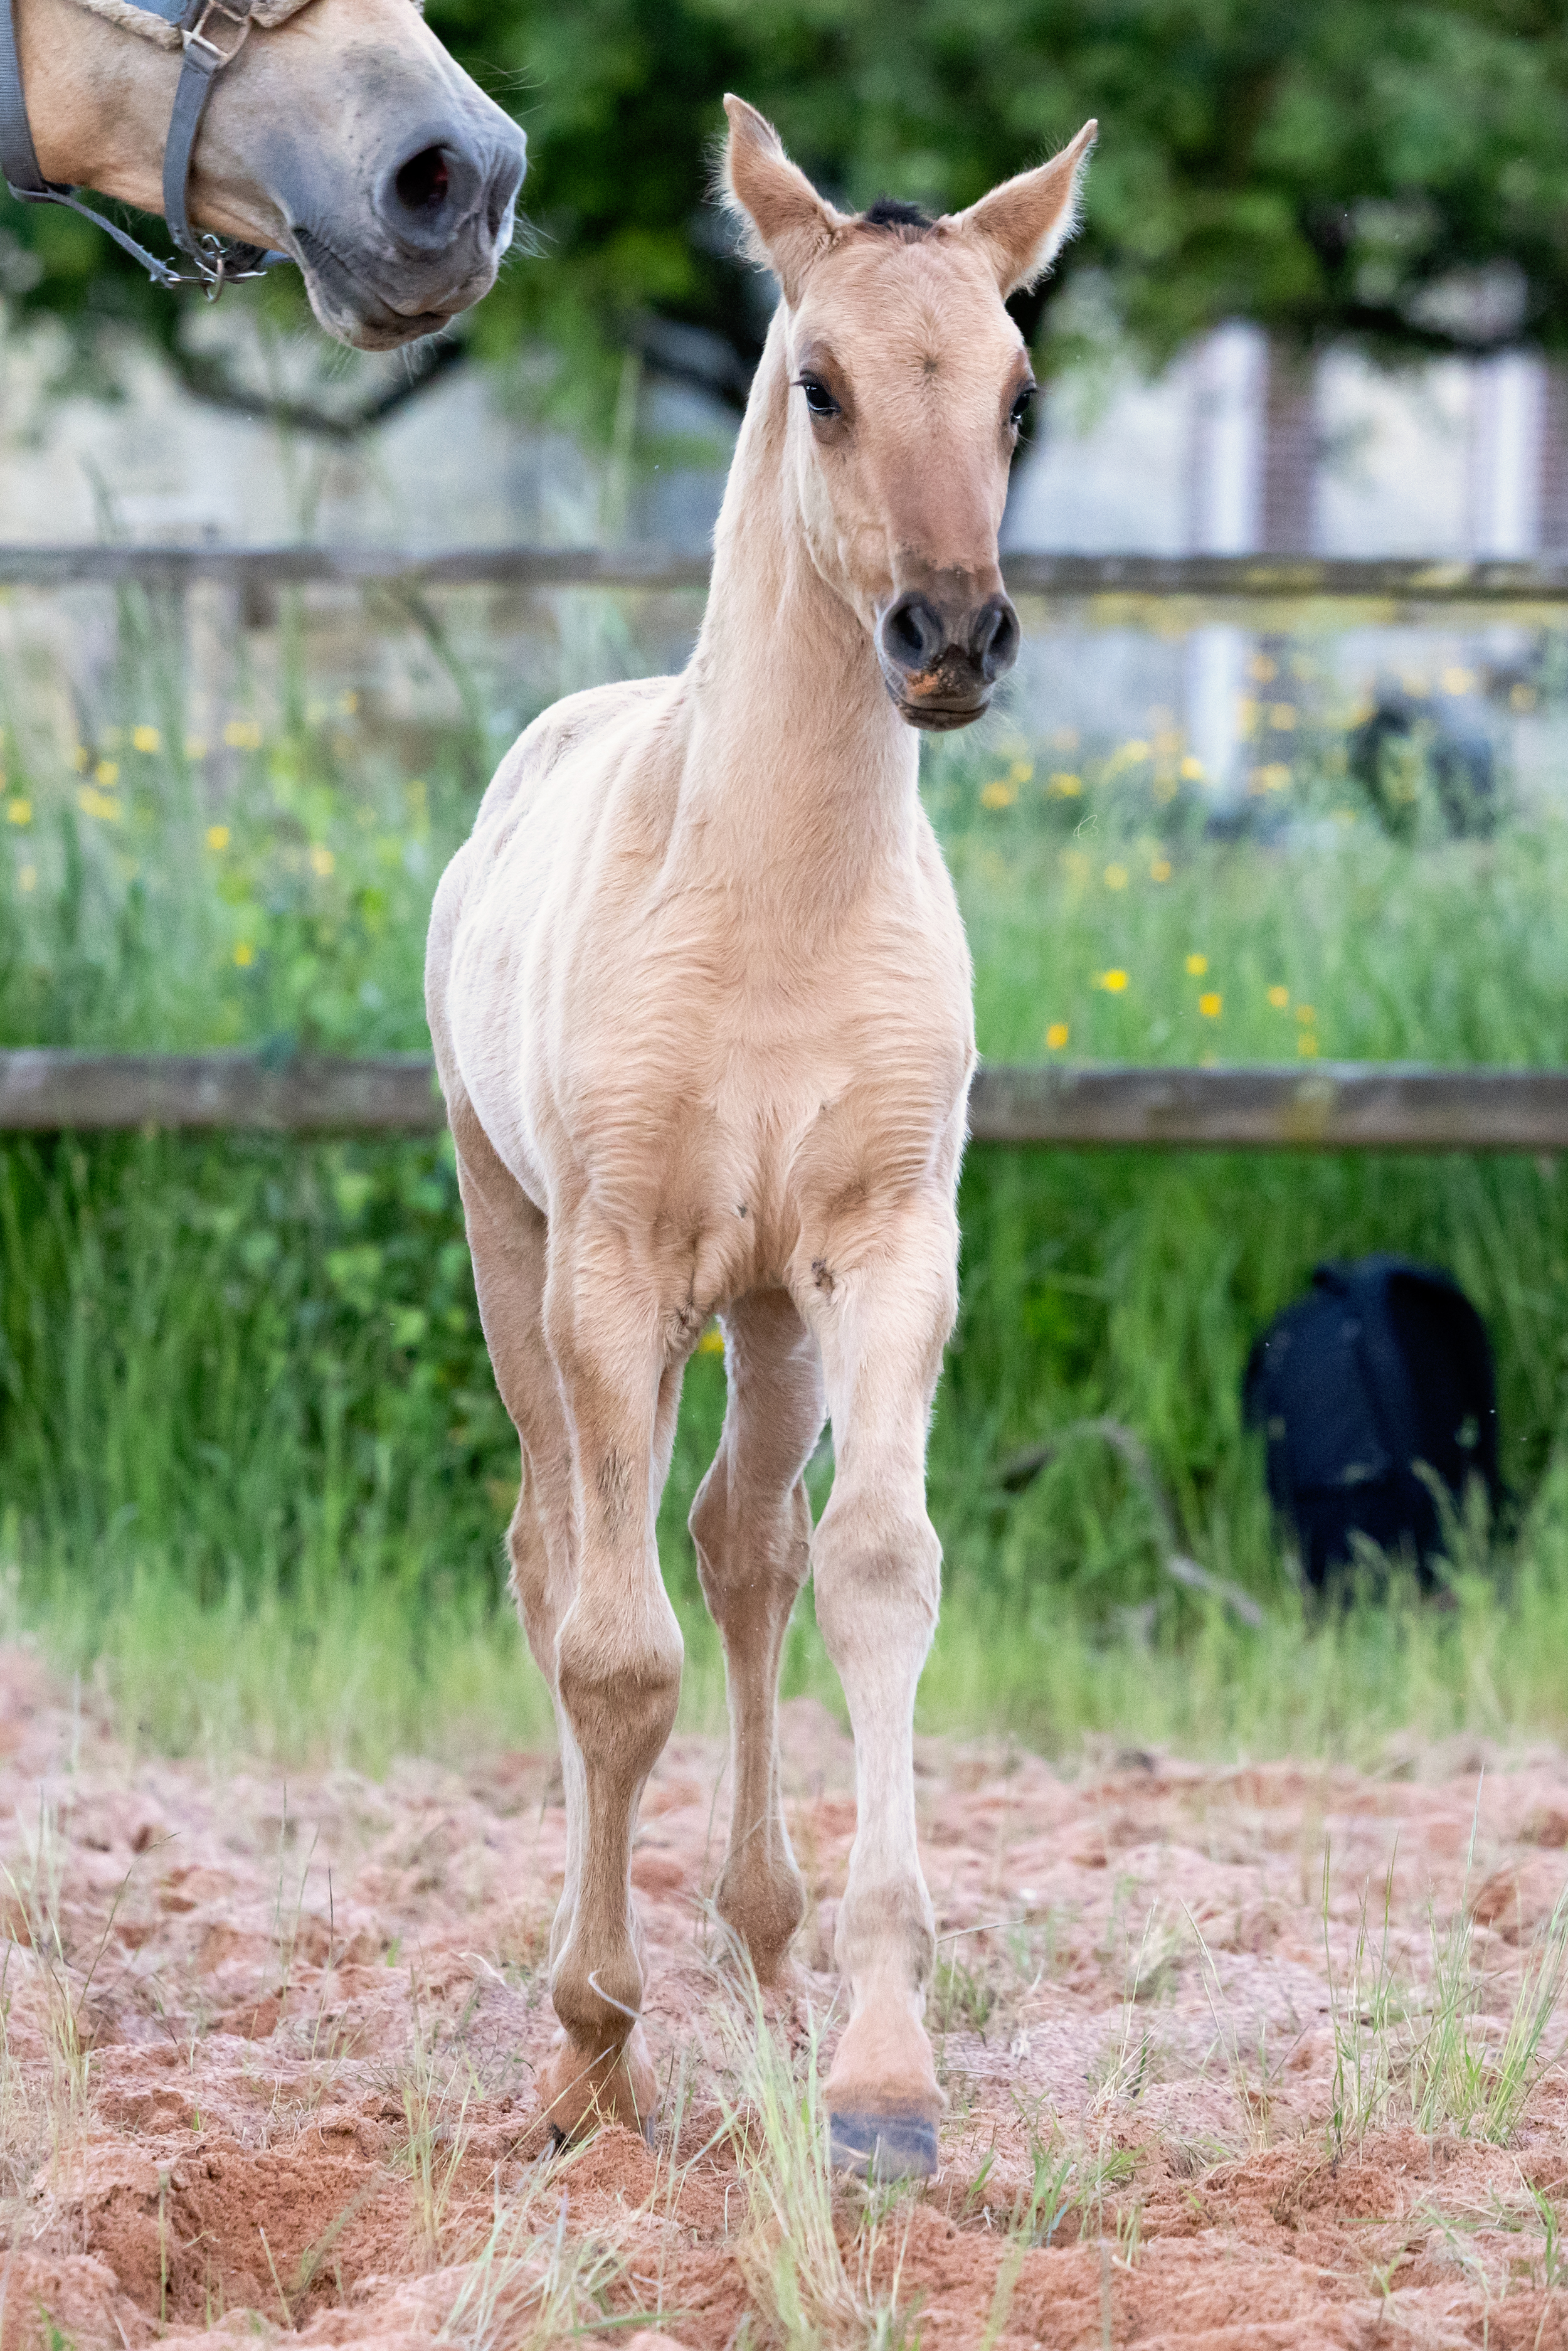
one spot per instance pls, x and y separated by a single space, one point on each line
267 2056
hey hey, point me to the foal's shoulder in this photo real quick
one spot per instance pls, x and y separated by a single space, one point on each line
566 726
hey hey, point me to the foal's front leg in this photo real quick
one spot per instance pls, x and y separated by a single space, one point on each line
882 1322
618 1657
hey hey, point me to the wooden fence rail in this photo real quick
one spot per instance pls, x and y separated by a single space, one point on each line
1331 1107
1242 577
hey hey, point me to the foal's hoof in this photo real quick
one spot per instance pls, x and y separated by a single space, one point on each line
579 2090
882 2147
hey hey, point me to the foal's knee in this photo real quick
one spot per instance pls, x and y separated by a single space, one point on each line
878 1577
619 1674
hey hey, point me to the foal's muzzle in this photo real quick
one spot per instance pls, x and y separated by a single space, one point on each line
941 667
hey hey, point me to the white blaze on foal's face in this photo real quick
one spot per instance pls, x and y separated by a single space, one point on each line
909 381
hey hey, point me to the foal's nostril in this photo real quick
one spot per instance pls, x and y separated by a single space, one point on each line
993 638
913 632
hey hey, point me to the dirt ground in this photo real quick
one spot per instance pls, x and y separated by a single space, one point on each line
268 2053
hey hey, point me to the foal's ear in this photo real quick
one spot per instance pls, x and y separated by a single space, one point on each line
1021 224
789 225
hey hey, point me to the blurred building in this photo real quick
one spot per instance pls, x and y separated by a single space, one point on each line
1237 447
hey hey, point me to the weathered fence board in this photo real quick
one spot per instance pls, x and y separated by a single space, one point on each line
1330 1106
1248 578
1325 1106
40 1091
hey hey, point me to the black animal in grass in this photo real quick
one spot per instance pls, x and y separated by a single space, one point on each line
1376 1394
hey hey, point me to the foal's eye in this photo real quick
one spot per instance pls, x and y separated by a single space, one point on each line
1020 406
819 399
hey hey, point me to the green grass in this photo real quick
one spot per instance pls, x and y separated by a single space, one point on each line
254 1475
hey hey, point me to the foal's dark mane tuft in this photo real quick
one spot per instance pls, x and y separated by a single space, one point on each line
892 213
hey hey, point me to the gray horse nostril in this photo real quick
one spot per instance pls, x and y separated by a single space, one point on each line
430 191
913 633
994 639
425 181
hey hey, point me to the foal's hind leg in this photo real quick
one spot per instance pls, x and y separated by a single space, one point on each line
751 1523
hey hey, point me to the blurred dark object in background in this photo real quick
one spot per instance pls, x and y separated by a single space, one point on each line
1383 1371
1410 753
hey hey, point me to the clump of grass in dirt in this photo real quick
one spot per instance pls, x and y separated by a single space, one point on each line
1364 2015
67 1984
1072 2181
1399 2049
808 2291
528 2289
436 2098
1253 2090
1455 2079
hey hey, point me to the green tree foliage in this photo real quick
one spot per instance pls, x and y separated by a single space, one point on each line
1396 170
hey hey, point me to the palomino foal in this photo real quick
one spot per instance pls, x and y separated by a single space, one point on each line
701 1002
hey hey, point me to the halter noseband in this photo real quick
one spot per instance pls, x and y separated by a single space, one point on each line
211 33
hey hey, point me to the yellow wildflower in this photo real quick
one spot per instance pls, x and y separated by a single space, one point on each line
1000 794
711 1341
1192 769
1160 871
146 738
1307 1046
1211 1006
1278 998
1115 877
1112 981
1056 1036
321 861
217 836
1064 787
243 735
107 773
244 955
18 812
1196 964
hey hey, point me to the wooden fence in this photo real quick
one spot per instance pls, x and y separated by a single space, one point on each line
1247 579
1339 1106
1332 1106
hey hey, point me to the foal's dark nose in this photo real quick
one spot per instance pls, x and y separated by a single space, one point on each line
442 182
942 666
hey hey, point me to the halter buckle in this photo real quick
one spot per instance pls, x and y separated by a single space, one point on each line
198 36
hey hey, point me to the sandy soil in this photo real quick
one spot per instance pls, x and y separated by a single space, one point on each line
267 2054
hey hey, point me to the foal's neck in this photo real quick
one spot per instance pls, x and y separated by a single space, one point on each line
801 776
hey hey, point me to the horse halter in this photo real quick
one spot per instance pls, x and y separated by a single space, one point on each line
212 34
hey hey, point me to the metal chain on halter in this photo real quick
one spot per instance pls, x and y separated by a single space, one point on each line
208 48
